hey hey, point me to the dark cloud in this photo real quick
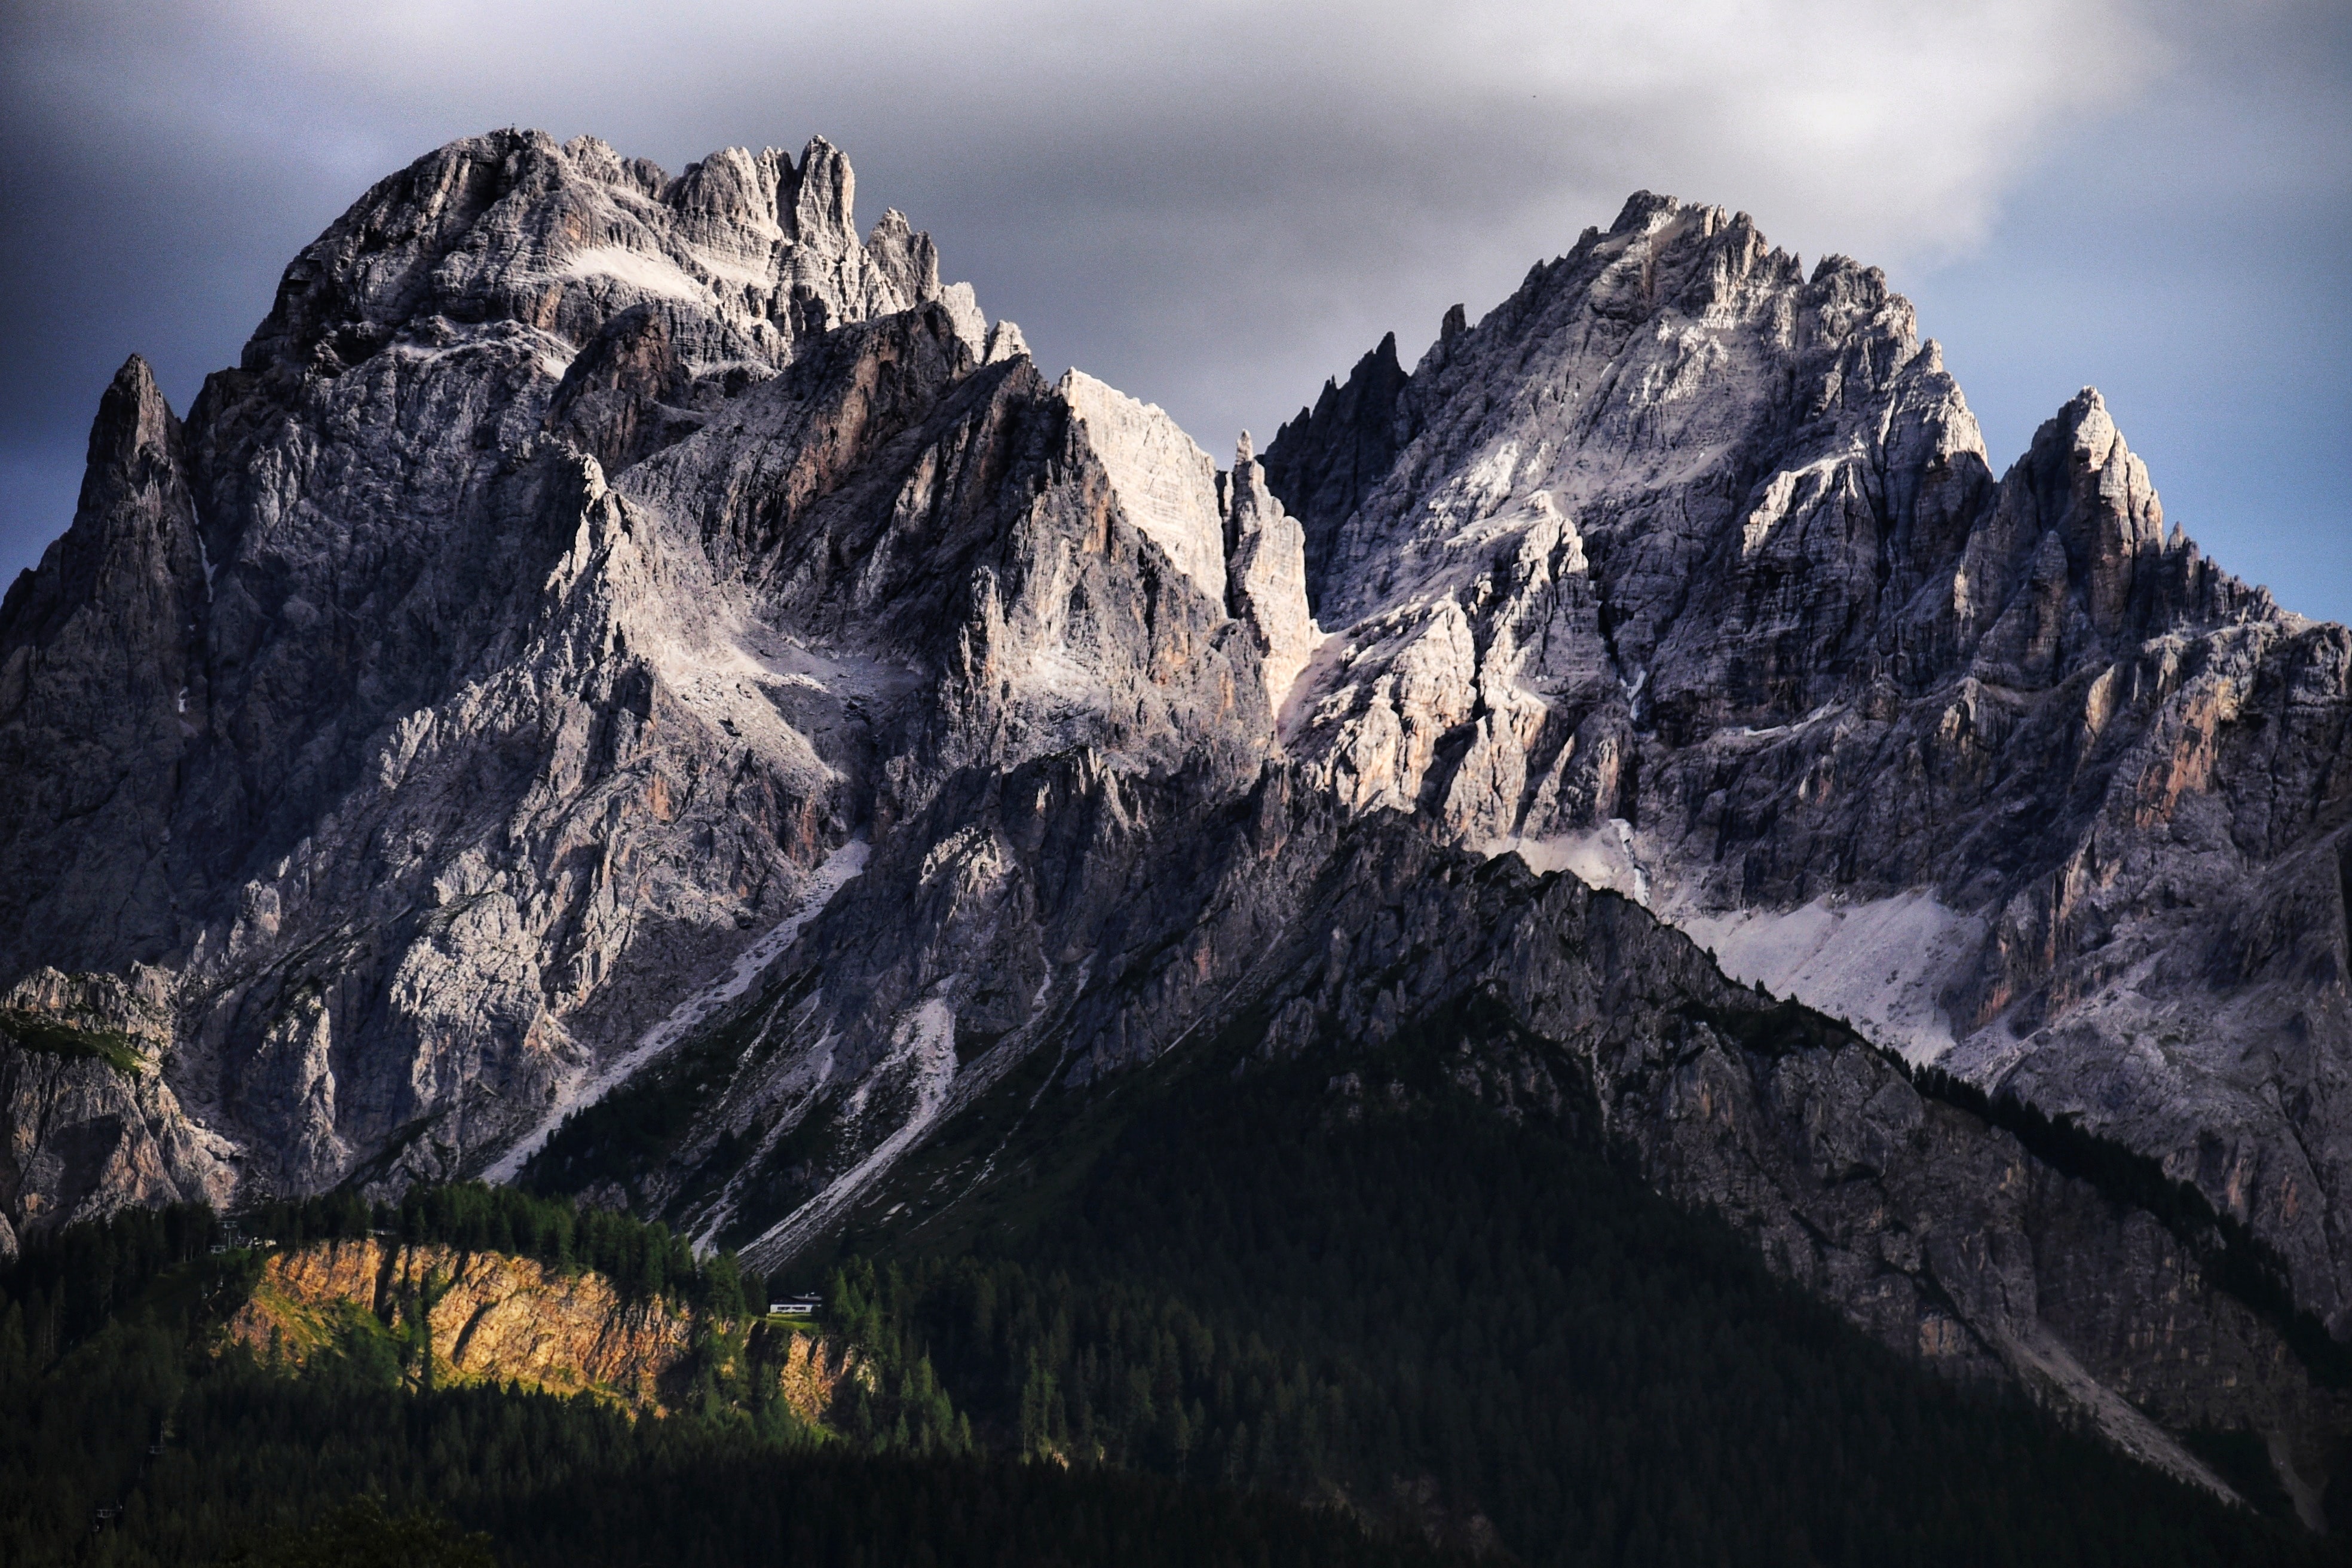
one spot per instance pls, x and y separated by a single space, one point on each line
2190 257
1213 206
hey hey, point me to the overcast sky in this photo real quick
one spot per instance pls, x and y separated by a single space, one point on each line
1215 206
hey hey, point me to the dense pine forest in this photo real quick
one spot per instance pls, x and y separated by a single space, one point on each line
1488 1334
128 1436
1253 1323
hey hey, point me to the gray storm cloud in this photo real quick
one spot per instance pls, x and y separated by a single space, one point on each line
1212 206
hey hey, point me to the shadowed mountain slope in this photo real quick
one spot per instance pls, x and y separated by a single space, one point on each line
633 688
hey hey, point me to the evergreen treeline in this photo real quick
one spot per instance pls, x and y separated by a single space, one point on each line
64 1287
2233 1258
360 1534
1463 1325
641 1260
620 1136
142 1446
1248 1300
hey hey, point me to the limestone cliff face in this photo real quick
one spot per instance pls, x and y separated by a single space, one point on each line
89 1122
1688 569
1267 592
1936 1232
102 695
366 708
1167 483
486 1317
615 635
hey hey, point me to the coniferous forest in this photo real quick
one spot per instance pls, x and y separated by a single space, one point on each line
1240 1328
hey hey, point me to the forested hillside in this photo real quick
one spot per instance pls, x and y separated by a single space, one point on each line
1289 1320
128 1434
1375 1288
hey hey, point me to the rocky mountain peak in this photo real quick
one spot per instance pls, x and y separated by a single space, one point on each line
410 544
512 240
642 633
103 679
131 417
825 192
1268 571
1352 434
130 535
1689 570
1167 484
909 260
2077 554
1643 212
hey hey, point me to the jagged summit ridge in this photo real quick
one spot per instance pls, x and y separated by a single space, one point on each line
577 558
622 636
1689 570
513 226
385 551
1168 484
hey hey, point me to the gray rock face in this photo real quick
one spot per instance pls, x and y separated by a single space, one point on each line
1690 572
1941 1235
1267 591
90 1125
1335 453
102 689
618 640
1293 929
1167 483
366 706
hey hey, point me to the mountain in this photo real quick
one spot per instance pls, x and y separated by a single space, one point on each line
1686 569
633 690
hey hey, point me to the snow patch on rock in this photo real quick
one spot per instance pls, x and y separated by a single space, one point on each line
830 877
922 1060
1883 965
656 274
1602 857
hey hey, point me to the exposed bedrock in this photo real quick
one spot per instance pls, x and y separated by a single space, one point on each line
365 704
1690 572
577 557
1939 1233
1062 934
617 633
